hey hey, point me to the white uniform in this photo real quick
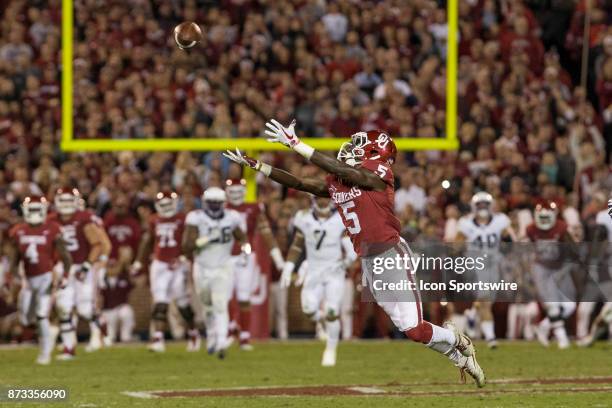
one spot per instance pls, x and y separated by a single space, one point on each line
212 267
324 279
604 219
485 241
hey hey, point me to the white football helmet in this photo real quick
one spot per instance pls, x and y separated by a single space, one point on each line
214 200
482 204
34 209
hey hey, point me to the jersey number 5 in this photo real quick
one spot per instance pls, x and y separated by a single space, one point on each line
351 216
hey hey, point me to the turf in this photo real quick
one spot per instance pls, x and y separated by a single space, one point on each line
411 372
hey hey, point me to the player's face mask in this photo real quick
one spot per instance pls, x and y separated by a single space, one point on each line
66 204
350 154
166 207
322 206
214 208
235 194
483 209
545 219
34 213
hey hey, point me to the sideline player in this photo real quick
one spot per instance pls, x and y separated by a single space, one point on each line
245 275
169 271
321 231
552 274
88 245
209 236
361 185
34 242
483 231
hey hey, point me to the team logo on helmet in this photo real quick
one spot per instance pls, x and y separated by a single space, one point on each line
372 145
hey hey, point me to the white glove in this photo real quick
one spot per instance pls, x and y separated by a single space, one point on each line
85 268
301 275
135 268
277 257
285 279
213 236
277 133
244 160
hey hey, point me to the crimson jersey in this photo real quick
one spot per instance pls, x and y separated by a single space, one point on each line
168 234
549 250
122 231
116 291
251 212
74 235
36 246
367 214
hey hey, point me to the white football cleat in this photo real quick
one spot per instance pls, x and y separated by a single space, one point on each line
43 359
329 357
157 347
95 344
67 355
194 343
107 341
470 365
462 342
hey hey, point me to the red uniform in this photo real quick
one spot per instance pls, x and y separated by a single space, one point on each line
122 231
251 212
36 246
116 292
549 251
168 233
74 235
367 214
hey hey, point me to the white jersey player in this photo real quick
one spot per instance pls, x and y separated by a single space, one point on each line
603 248
483 231
328 253
209 236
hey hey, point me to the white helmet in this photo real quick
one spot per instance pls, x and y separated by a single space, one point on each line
323 210
66 200
34 209
235 190
482 204
214 200
166 203
545 215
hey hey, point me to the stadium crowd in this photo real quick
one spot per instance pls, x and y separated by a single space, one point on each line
527 130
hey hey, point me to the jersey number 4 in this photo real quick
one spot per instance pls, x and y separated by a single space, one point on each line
351 217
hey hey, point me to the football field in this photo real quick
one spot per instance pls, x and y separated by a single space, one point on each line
368 374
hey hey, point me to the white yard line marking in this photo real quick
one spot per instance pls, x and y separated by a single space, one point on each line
367 390
141 394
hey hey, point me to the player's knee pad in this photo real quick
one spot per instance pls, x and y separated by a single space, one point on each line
567 309
160 311
553 311
187 313
420 333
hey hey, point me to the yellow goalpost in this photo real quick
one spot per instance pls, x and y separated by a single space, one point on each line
70 143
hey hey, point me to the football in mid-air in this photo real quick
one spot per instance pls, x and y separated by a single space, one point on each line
187 34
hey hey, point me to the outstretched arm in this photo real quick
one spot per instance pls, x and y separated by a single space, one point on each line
355 175
314 186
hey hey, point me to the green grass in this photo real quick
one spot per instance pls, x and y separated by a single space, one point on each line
396 366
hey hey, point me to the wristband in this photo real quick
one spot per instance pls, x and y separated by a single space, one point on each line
304 150
103 258
264 168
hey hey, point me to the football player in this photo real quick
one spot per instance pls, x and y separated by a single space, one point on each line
552 274
245 277
600 259
483 231
361 184
34 243
321 231
209 237
168 274
88 245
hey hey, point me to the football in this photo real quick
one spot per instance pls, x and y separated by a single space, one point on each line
187 34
